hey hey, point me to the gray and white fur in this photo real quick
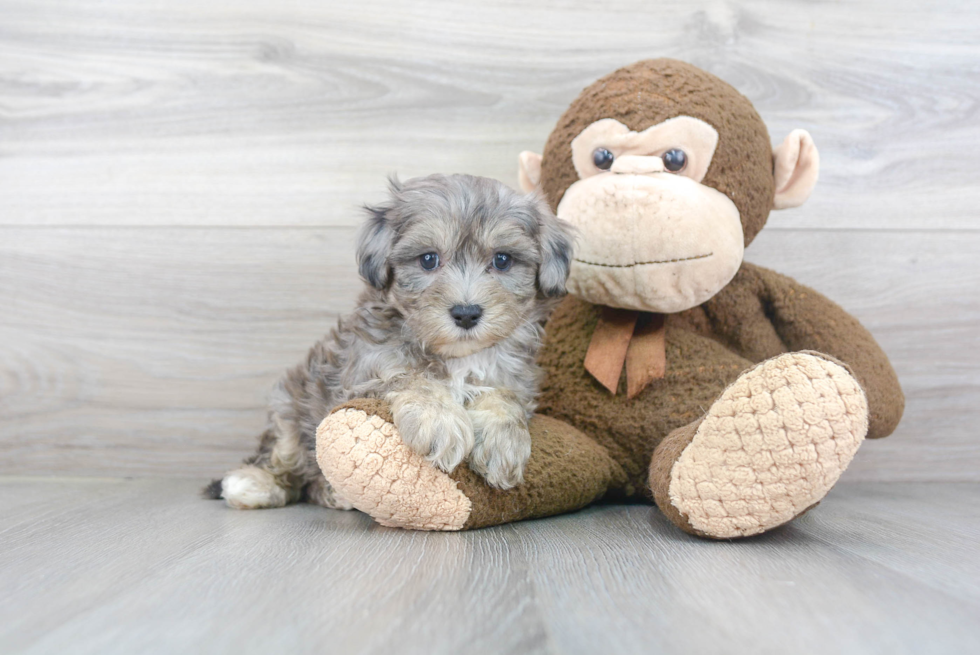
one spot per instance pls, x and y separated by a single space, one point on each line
451 349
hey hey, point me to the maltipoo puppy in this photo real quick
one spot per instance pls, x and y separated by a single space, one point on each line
461 273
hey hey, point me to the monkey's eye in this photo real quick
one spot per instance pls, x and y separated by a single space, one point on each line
502 261
429 261
675 160
602 159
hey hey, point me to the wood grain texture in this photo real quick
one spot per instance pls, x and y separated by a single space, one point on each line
111 566
289 113
149 351
179 184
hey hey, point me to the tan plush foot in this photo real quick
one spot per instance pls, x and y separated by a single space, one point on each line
768 449
366 462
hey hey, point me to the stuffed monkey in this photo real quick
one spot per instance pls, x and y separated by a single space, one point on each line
729 394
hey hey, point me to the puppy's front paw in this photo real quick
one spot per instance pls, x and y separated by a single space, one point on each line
439 431
501 452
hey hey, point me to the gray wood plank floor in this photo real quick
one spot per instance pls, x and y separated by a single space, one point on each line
144 566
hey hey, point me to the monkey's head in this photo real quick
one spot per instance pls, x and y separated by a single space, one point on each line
668 173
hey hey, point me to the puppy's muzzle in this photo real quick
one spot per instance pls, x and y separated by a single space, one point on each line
466 316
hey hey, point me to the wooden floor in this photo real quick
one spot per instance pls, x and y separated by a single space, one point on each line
126 566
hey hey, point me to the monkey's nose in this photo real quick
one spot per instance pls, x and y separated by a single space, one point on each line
466 316
637 165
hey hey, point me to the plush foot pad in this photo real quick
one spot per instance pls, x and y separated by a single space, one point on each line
769 448
367 463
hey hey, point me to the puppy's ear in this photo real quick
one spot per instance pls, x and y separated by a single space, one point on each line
557 241
375 240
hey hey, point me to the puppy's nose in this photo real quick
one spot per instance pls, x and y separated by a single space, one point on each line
466 316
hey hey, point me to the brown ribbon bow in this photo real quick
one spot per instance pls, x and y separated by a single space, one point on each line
624 336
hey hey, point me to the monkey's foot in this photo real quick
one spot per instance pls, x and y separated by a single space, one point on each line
366 462
769 448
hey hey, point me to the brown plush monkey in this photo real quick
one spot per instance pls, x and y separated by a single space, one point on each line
732 395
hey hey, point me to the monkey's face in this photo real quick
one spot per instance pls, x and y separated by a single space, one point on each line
664 212
651 236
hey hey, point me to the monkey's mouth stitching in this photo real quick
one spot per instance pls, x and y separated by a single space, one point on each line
663 261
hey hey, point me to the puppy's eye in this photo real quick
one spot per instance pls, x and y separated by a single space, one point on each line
429 261
602 159
502 261
675 160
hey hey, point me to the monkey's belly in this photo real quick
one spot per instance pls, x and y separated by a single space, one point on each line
698 370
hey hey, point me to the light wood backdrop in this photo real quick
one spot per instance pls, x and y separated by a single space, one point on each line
180 181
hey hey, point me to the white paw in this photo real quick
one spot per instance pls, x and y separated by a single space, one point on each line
501 453
440 432
252 488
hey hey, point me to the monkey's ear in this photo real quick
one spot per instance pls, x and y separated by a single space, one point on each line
529 171
374 243
796 165
557 242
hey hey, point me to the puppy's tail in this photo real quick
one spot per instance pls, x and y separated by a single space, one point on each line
212 491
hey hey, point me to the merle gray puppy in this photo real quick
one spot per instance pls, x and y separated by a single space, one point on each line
461 274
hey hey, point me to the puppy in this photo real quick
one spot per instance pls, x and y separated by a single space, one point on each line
461 274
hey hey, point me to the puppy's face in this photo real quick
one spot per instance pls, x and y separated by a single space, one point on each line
465 259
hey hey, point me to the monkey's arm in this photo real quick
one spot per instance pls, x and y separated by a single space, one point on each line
806 320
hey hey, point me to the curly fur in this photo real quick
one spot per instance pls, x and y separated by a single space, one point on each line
456 394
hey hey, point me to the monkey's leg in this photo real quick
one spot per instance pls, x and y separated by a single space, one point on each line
364 459
769 449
